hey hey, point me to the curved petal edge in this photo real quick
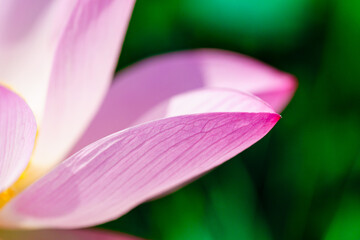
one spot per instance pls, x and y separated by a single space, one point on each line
17 137
108 178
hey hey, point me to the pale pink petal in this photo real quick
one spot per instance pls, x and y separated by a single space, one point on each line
89 234
235 71
30 32
206 100
17 137
146 84
114 117
82 69
113 175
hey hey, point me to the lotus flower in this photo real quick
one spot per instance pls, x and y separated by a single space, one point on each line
74 154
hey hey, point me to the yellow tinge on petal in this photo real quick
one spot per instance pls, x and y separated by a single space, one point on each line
27 177
12 191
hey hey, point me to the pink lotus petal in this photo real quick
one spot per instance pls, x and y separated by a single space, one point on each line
90 234
118 115
231 70
29 35
82 69
204 101
146 84
113 175
17 137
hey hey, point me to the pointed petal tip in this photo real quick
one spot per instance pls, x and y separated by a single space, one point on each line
273 118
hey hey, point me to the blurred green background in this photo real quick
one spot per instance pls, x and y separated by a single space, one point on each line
302 181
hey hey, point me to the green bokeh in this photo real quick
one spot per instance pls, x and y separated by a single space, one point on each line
302 181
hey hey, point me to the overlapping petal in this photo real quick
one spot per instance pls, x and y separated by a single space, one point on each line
17 136
90 234
149 82
81 69
114 174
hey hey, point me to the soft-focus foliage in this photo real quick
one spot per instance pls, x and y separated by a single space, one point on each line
302 180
